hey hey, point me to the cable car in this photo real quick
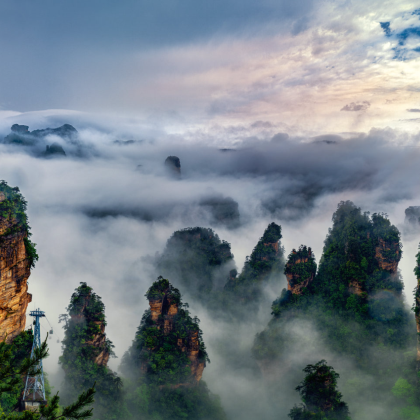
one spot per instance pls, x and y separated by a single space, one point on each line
51 331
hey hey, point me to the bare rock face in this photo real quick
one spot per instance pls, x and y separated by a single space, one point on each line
14 263
388 255
300 269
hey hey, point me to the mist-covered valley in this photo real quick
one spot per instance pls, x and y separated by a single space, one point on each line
103 214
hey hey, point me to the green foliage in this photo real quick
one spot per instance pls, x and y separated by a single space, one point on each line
320 394
162 287
354 305
158 353
149 402
15 364
194 257
265 262
417 267
31 252
19 350
301 265
162 384
84 341
13 214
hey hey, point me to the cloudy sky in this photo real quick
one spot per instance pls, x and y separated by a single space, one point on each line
307 66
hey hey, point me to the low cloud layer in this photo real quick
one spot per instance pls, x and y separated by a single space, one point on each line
97 216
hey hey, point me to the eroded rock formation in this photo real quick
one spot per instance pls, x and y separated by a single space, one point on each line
388 255
20 134
168 349
412 216
223 210
196 260
265 262
85 330
300 269
173 166
15 263
164 304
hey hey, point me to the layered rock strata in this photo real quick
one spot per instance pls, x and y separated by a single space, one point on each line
14 271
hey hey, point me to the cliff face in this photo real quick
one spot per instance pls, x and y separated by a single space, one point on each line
266 261
85 337
168 349
14 264
388 255
197 260
164 308
95 322
300 269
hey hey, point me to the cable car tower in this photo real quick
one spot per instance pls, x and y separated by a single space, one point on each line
34 394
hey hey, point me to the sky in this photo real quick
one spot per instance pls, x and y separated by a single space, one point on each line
311 67
320 101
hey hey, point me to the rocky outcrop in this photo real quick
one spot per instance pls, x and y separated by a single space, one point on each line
164 308
173 166
14 265
266 261
20 134
54 150
412 216
196 260
388 255
223 210
300 269
86 308
355 287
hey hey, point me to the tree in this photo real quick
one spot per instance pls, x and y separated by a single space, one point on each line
11 375
320 395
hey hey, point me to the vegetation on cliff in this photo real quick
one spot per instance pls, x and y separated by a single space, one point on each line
85 354
406 389
354 304
357 282
166 360
197 259
13 216
320 395
265 262
15 353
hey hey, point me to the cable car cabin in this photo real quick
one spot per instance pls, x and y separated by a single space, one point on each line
51 332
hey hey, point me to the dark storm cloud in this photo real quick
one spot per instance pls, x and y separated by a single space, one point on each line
413 110
356 106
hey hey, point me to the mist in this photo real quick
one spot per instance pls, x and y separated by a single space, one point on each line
99 215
